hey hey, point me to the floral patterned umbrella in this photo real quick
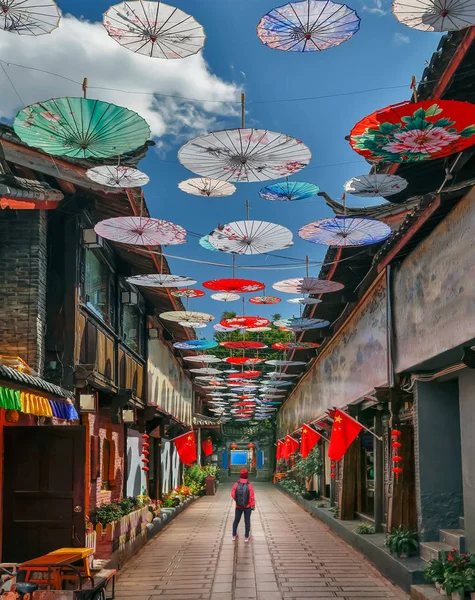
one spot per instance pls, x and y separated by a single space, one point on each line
304 300
186 316
250 237
204 358
307 285
435 15
243 360
244 155
294 346
233 285
154 29
29 17
243 345
195 345
308 26
247 322
258 329
204 186
161 281
220 329
345 231
372 186
141 231
117 176
265 300
225 297
188 293
288 191
81 128
410 132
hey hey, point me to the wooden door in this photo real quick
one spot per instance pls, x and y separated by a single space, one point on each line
403 511
43 490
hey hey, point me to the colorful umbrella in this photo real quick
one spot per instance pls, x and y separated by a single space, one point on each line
294 346
154 29
308 26
161 281
117 176
288 191
185 316
247 322
225 297
345 231
307 285
435 15
29 17
304 300
233 285
195 345
372 186
141 231
409 132
243 360
245 375
204 186
244 155
265 300
188 293
220 329
81 128
204 243
204 358
243 345
250 237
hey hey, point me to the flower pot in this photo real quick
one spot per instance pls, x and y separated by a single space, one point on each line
472 595
403 555
456 596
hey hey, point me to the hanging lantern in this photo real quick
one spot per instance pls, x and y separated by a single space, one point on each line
145 469
145 460
233 446
396 445
251 446
145 445
145 452
395 433
397 470
333 469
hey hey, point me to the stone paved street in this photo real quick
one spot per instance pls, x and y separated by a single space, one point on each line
291 556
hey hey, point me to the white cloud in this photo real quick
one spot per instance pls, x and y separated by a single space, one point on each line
376 8
401 38
79 49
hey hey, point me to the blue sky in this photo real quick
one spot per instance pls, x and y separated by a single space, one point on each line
382 54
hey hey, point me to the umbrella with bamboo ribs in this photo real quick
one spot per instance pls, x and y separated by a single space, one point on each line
206 371
345 231
293 346
371 186
243 360
117 176
141 231
245 375
265 300
204 186
225 297
243 345
204 358
279 375
284 363
258 329
304 300
188 293
250 237
435 15
220 329
192 324
154 29
308 26
157 280
307 285
204 243
244 155
288 191
410 132
234 285
80 128
29 17
196 345
186 316
247 322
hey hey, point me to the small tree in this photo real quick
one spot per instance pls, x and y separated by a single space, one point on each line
306 468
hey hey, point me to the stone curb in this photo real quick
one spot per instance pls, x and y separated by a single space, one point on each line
166 516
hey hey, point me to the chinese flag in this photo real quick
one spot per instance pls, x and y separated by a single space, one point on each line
290 447
280 448
309 438
186 447
207 447
344 431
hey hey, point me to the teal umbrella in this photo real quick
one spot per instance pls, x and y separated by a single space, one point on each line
81 128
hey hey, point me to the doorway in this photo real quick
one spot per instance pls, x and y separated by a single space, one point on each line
43 490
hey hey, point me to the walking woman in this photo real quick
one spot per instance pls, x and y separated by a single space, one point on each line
243 494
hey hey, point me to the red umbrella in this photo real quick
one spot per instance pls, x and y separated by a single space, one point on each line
265 300
417 131
247 322
242 345
248 404
237 383
245 375
243 360
233 285
244 396
295 345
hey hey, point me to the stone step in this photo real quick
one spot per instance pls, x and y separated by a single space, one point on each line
426 592
433 550
462 522
454 538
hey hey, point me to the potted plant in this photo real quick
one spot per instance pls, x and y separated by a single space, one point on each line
402 542
435 573
455 584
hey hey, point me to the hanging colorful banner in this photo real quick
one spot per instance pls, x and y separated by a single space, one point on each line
186 447
309 439
345 429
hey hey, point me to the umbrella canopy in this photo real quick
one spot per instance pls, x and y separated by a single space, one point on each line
435 15
308 26
250 237
410 132
204 186
204 243
243 345
81 128
233 285
225 297
247 322
204 358
154 29
245 375
243 360
206 371
265 300
161 281
117 176
192 324
284 363
195 345
220 329
279 374
294 346
141 231
244 155
304 324
288 191
372 186
258 329
307 285
345 231
186 316
29 17
188 293
304 300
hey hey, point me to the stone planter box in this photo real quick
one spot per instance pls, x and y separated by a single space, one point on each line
166 515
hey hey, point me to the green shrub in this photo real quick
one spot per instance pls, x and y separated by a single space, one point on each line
402 541
365 529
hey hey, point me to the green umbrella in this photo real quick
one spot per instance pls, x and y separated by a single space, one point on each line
81 128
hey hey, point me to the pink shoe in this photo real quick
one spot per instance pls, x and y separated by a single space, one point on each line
234 538
246 539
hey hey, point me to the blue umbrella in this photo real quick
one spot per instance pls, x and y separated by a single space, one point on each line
195 345
289 190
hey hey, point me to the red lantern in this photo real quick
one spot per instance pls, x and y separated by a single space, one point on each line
251 446
397 471
332 474
145 445
397 459
145 452
145 436
396 444
233 446
395 433
145 460
145 469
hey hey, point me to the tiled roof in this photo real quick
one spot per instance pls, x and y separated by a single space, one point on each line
9 374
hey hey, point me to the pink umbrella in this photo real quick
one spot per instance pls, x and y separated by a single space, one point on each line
141 231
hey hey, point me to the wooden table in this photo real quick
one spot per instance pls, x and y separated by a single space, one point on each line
54 562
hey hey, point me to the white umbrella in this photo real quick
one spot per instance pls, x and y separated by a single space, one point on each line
161 281
206 371
186 316
284 363
225 297
117 176
307 285
372 186
204 186
435 15
304 300
29 17
204 358
250 237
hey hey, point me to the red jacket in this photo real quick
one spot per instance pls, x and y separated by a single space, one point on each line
252 500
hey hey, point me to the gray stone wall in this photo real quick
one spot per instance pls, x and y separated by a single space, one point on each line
467 424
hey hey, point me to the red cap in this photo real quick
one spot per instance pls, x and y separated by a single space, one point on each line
244 474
